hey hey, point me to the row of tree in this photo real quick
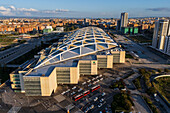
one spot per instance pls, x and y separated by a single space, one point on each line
122 102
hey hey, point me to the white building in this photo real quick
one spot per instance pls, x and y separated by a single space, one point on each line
124 19
49 27
167 45
160 39
59 29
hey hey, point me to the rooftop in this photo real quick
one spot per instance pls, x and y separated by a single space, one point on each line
46 70
85 41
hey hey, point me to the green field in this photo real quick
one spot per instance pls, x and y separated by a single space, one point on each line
163 86
6 40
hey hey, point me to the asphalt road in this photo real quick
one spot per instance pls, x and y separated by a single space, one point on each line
163 103
147 57
140 105
17 51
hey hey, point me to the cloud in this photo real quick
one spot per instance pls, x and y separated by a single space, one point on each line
27 10
5 11
159 9
2 8
12 11
12 8
62 10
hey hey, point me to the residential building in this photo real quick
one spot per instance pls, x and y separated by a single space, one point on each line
167 45
123 22
59 29
124 19
118 25
161 30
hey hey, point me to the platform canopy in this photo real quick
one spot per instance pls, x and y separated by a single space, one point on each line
84 41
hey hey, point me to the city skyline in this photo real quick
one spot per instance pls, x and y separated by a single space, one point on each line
89 9
55 59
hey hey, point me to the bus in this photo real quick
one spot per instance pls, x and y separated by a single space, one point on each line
95 88
86 92
77 97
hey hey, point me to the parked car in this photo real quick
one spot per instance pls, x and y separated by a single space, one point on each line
100 105
101 100
97 80
106 109
93 79
86 110
73 93
83 83
89 81
92 106
80 89
97 77
101 79
63 92
96 98
157 99
89 85
94 82
74 87
103 94
67 90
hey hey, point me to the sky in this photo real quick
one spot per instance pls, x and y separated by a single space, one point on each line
84 8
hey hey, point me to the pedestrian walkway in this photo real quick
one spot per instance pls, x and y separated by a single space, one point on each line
14 109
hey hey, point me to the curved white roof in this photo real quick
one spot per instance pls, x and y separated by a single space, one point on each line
88 40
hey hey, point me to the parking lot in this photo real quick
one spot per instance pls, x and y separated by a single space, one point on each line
95 94
94 91
89 95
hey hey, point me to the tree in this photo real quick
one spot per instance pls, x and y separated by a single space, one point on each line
142 71
151 90
128 104
159 70
166 70
153 71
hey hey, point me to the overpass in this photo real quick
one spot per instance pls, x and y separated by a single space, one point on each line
158 76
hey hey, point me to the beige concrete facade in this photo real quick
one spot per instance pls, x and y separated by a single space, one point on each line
88 67
94 67
45 85
48 84
109 61
119 55
74 75
32 86
102 61
122 56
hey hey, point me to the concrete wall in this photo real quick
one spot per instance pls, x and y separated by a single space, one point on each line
109 61
102 61
74 75
122 56
21 74
93 67
32 85
85 67
63 75
48 84
15 79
